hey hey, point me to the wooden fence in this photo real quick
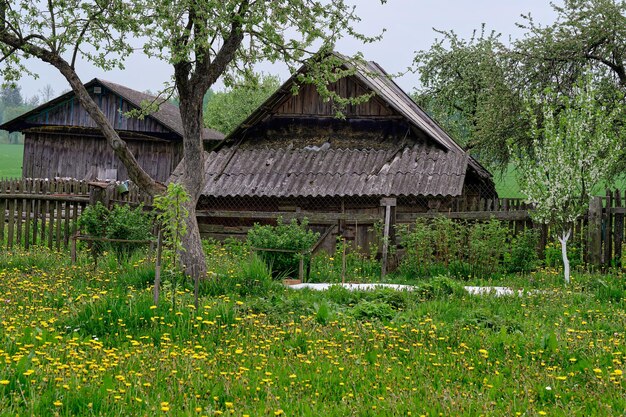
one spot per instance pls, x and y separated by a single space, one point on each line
44 212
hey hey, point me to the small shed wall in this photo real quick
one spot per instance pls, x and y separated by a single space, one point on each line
84 156
71 113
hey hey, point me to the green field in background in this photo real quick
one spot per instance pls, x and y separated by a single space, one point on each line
11 160
508 187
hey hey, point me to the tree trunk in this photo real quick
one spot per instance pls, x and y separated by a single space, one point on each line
563 239
192 257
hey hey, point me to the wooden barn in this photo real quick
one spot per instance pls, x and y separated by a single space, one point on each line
61 139
386 161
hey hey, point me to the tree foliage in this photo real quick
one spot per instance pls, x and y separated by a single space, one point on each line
572 150
225 110
587 34
466 88
475 87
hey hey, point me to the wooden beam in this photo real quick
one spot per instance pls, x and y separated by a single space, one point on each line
50 197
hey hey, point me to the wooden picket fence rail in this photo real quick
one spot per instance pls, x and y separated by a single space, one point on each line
44 212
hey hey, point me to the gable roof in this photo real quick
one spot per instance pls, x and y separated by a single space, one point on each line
437 167
168 114
374 77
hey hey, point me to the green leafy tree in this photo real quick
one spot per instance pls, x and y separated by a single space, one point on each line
572 152
225 110
204 41
475 87
465 87
587 34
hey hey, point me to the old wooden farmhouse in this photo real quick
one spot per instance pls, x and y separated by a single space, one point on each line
61 139
293 158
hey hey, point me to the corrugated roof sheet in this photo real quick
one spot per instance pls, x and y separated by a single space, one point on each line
419 170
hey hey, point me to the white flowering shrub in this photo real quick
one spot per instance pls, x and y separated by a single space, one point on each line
573 151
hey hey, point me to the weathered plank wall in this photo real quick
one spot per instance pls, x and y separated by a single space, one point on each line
71 113
309 102
68 154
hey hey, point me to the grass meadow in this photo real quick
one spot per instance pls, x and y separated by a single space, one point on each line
11 160
79 340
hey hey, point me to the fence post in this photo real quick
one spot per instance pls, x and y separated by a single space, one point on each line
388 203
73 248
608 237
595 232
301 267
619 230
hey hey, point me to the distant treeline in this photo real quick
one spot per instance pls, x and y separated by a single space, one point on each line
13 104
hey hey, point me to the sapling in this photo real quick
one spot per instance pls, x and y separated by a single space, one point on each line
573 151
172 215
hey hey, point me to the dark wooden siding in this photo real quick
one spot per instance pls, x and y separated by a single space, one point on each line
49 155
71 113
309 102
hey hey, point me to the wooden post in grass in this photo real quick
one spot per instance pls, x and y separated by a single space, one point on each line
343 262
157 267
73 247
388 203
301 267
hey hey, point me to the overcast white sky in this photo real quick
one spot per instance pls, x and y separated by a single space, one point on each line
409 25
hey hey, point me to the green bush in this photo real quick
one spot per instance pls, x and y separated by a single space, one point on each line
288 236
368 310
439 287
487 244
120 223
127 224
481 249
523 254
554 257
